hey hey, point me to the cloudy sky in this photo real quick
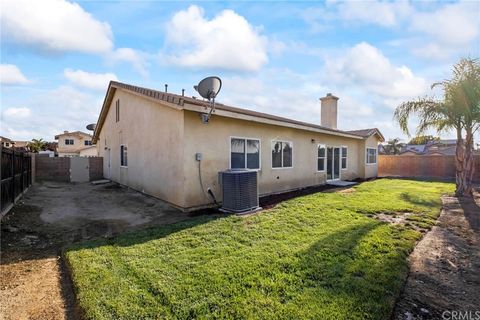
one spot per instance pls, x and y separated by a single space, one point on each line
58 56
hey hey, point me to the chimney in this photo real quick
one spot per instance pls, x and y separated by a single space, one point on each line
328 111
65 131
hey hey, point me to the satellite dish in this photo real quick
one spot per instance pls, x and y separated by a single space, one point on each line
209 88
91 126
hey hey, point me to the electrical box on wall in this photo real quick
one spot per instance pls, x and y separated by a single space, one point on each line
198 156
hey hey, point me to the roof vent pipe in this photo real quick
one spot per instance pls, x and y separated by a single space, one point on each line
166 87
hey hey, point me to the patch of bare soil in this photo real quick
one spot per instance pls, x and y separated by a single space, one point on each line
34 282
394 217
347 190
444 276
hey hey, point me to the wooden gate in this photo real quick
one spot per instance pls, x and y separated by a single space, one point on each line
15 176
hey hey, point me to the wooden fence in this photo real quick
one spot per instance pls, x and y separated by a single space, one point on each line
15 176
423 166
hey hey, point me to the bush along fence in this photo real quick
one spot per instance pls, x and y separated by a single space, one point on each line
422 166
15 176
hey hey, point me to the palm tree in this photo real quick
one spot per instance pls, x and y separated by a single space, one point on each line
37 145
393 146
459 111
423 140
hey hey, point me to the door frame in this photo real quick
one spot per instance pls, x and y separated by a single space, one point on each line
339 162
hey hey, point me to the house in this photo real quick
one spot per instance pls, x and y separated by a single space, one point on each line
6 142
413 149
76 143
158 143
437 147
20 144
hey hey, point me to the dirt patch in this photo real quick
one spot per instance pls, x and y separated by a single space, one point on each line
444 267
34 281
347 190
393 217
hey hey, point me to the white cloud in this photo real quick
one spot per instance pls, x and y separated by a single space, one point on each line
228 41
10 74
54 25
51 112
456 24
96 81
16 113
450 29
137 58
384 14
430 30
365 66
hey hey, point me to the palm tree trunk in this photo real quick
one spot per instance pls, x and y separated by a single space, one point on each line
459 165
469 164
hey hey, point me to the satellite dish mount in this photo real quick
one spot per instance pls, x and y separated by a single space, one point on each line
209 88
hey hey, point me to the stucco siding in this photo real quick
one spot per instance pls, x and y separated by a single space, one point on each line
371 170
153 135
89 152
162 141
213 141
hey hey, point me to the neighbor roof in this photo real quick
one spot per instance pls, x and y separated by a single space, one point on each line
183 102
73 133
367 133
5 139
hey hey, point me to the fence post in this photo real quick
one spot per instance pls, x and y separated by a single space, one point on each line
23 174
1 177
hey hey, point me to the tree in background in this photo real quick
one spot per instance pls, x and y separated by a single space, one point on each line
393 146
423 140
37 145
459 111
51 146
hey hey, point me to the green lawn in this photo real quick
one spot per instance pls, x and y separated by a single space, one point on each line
315 257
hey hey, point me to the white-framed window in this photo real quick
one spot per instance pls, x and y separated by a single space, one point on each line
117 110
123 156
244 153
69 142
321 154
344 158
282 154
371 156
88 142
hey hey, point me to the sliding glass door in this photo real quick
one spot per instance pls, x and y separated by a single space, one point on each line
333 163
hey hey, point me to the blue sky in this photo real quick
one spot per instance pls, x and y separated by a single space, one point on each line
276 57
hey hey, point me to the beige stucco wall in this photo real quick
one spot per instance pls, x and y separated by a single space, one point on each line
153 134
213 141
89 152
71 150
162 143
371 170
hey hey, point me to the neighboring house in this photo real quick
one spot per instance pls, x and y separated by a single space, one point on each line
21 144
49 153
411 149
77 143
7 143
440 147
381 149
157 143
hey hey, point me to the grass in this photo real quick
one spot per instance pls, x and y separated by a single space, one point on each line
314 257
